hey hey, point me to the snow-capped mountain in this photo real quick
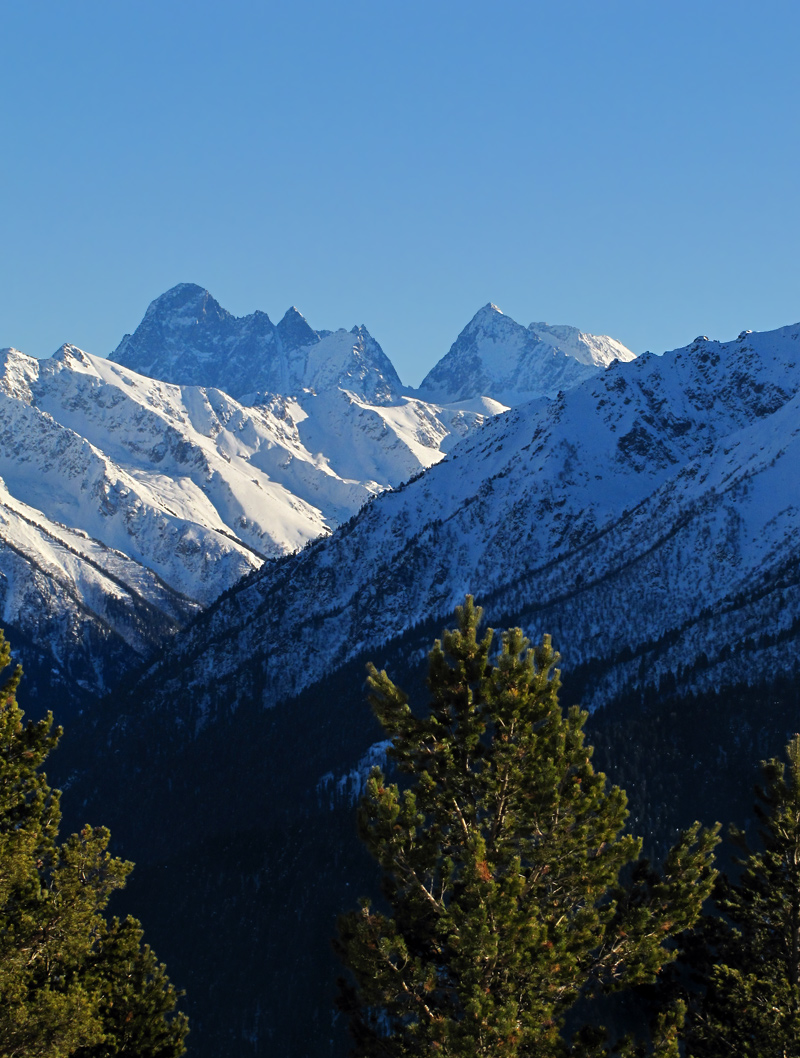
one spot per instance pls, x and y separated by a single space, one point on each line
186 337
172 493
81 613
208 443
149 469
190 483
497 357
646 518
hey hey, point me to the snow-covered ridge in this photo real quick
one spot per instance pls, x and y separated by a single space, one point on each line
597 350
153 471
190 487
189 482
88 612
650 513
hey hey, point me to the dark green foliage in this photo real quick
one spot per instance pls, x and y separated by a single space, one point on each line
502 861
136 999
752 1004
64 973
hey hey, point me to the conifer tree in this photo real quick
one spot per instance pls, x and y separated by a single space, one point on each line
64 972
136 1001
501 862
752 1004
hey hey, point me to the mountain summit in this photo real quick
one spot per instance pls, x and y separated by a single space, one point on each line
187 338
496 357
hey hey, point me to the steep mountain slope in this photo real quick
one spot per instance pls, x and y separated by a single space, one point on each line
160 473
592 349
188 481
82 614
650 512
497 357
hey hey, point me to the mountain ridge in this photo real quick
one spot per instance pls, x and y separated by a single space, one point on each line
186 337
618 473
647 518
223 443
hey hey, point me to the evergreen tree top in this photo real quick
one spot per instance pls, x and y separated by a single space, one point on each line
502 858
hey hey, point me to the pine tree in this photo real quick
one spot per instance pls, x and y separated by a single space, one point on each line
62 967
501 863
752 1004
136 999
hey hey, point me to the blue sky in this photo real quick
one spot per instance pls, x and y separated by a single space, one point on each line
628 166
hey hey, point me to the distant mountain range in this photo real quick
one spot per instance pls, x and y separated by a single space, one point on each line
152 481
187 338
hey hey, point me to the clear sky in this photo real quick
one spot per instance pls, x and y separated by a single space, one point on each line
628 166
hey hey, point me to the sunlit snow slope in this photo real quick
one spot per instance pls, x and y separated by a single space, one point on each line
649 519
208 444
80 613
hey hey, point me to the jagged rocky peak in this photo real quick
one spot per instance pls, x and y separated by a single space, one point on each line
10 355
188 302
494 356
294 330
17 372
187 338
489 314
72 355
491 323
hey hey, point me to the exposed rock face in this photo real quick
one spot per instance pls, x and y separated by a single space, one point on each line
187 338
